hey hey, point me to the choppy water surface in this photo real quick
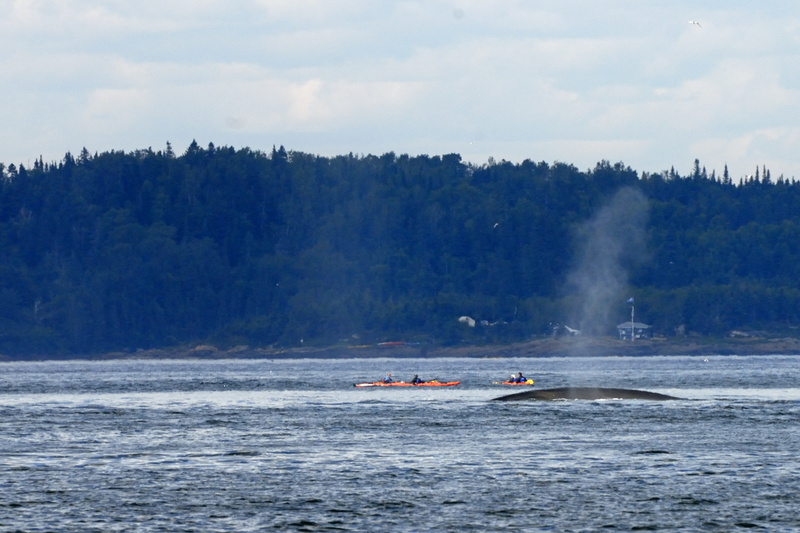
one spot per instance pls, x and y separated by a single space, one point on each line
292 445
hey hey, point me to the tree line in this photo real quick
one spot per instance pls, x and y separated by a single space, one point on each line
121 251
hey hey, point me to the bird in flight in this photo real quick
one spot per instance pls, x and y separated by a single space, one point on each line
694 22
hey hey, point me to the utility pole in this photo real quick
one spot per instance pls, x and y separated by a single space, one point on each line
633 327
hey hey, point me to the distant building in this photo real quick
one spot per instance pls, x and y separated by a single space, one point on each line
468 320
640 331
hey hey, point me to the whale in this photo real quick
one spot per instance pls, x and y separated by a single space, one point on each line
584 393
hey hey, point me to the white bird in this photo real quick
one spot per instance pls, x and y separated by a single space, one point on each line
695 22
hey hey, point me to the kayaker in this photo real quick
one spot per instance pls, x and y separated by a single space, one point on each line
520 378
512 379
388 378
416 379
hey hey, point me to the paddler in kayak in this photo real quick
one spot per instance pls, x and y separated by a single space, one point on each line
520 378
388 378
415 380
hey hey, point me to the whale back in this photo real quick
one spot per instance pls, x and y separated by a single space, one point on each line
585 393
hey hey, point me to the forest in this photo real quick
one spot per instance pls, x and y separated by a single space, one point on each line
123 251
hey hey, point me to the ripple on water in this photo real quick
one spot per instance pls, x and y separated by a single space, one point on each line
216 448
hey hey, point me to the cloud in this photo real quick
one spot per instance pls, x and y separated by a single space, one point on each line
775 148
116 108
510 79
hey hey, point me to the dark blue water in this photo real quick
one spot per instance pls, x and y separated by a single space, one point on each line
293 446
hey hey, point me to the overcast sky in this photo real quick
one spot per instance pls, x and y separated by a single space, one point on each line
558 80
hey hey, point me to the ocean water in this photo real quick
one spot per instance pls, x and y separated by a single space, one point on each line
291 445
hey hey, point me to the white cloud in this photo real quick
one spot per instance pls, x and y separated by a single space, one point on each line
509 79
774 147
112 109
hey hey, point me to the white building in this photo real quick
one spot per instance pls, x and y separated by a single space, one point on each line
640 331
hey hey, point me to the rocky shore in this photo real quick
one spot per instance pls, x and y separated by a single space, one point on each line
545 347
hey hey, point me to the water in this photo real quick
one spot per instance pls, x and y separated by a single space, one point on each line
291 445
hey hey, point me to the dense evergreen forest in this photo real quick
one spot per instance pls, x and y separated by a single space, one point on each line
120 251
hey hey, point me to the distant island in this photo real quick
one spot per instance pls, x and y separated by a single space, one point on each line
125 253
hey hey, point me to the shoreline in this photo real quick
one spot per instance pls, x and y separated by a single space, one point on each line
543 347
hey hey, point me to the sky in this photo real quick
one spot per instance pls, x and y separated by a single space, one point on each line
567 81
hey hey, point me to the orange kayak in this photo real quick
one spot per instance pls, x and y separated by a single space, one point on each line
433 383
